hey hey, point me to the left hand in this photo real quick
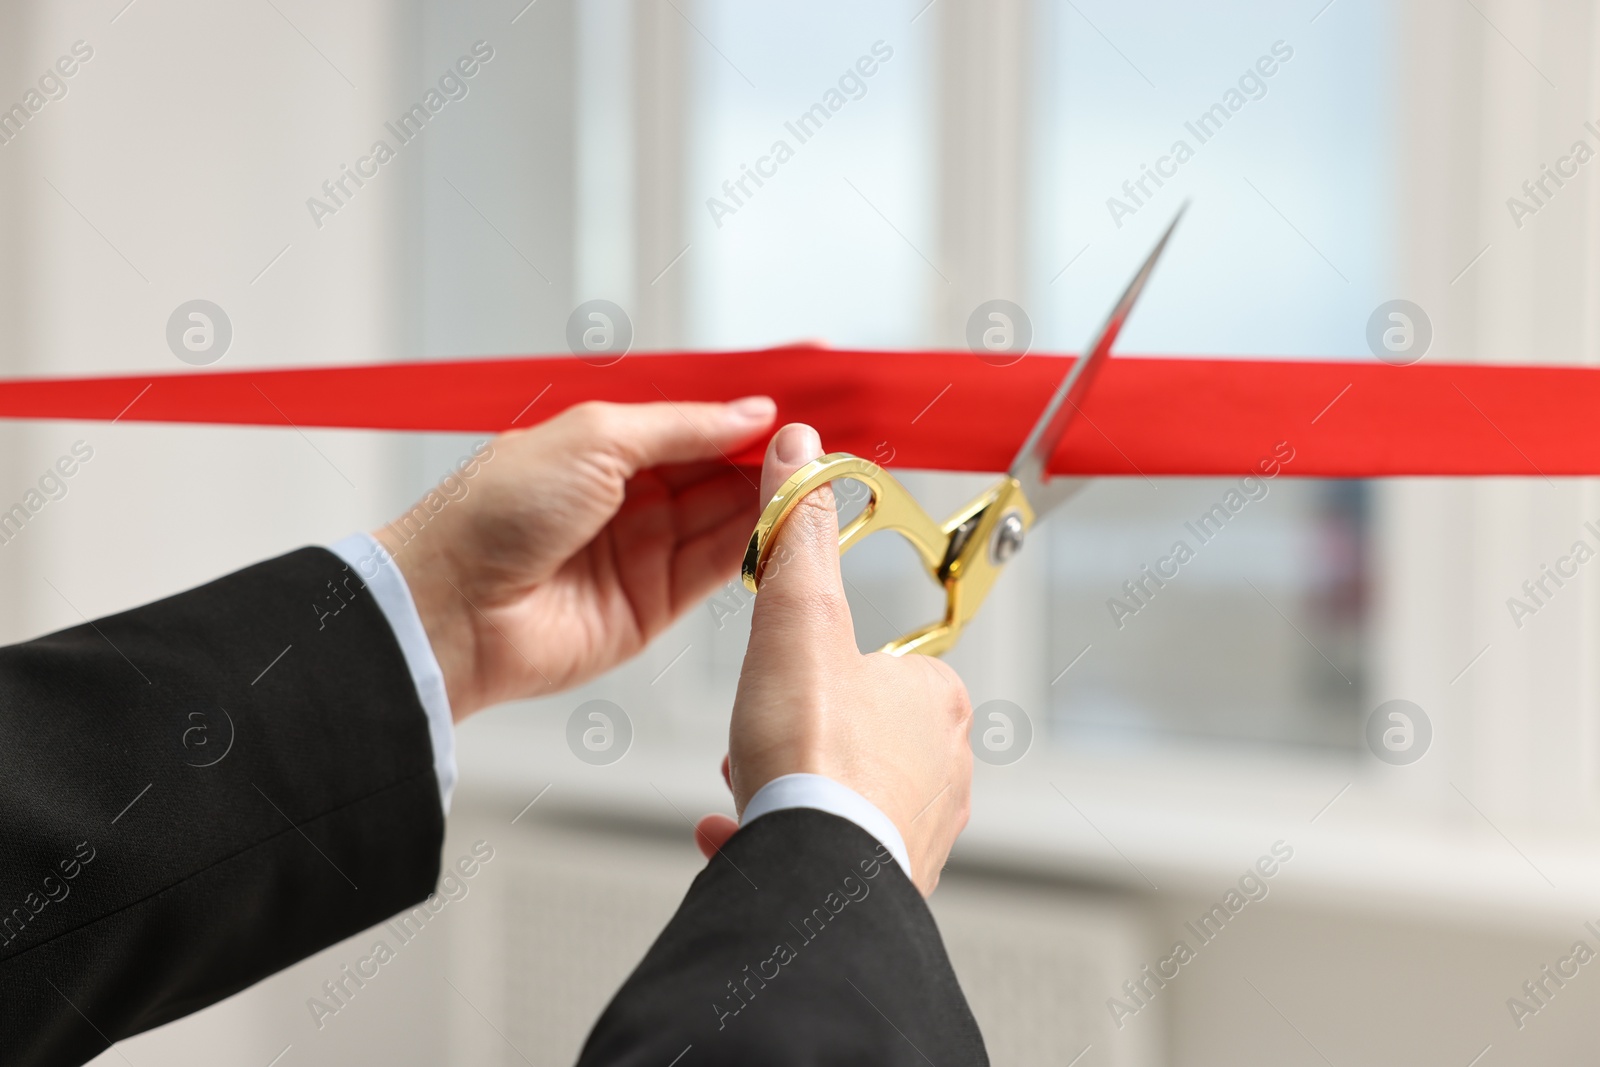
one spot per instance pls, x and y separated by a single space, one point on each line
578 541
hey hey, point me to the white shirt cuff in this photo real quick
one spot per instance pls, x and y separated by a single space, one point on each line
825 794
376 568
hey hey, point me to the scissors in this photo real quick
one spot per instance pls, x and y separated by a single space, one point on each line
966 553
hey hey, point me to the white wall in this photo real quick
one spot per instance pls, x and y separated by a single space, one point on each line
177 167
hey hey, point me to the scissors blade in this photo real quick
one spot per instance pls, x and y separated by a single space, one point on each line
1031 465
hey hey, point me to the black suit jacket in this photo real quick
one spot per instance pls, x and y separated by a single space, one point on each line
202 791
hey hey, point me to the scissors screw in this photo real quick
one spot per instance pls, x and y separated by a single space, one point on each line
1007 537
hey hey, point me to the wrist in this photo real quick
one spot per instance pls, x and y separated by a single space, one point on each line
446 614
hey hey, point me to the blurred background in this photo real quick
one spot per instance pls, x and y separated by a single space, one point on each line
1428 858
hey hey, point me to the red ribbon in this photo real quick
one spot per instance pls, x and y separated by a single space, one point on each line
939 410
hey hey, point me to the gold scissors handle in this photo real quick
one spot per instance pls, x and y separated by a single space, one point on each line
964 555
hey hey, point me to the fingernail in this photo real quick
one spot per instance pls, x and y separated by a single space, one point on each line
754 408
798 443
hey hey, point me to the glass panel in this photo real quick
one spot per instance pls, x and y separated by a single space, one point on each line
1276 132
826 245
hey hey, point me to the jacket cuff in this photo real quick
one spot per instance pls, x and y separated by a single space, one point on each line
363 554
824 794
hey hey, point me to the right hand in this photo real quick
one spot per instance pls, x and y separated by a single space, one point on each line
893 729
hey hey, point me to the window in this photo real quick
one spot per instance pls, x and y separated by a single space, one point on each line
812 207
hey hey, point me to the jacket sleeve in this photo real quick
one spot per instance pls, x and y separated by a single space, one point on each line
197 793
801 943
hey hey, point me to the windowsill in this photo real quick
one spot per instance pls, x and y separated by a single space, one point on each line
1364 839
1174 824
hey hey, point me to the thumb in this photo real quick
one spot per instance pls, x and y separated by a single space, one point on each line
802 591
650 435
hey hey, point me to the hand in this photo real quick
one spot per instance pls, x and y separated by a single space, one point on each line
892 729
576 542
